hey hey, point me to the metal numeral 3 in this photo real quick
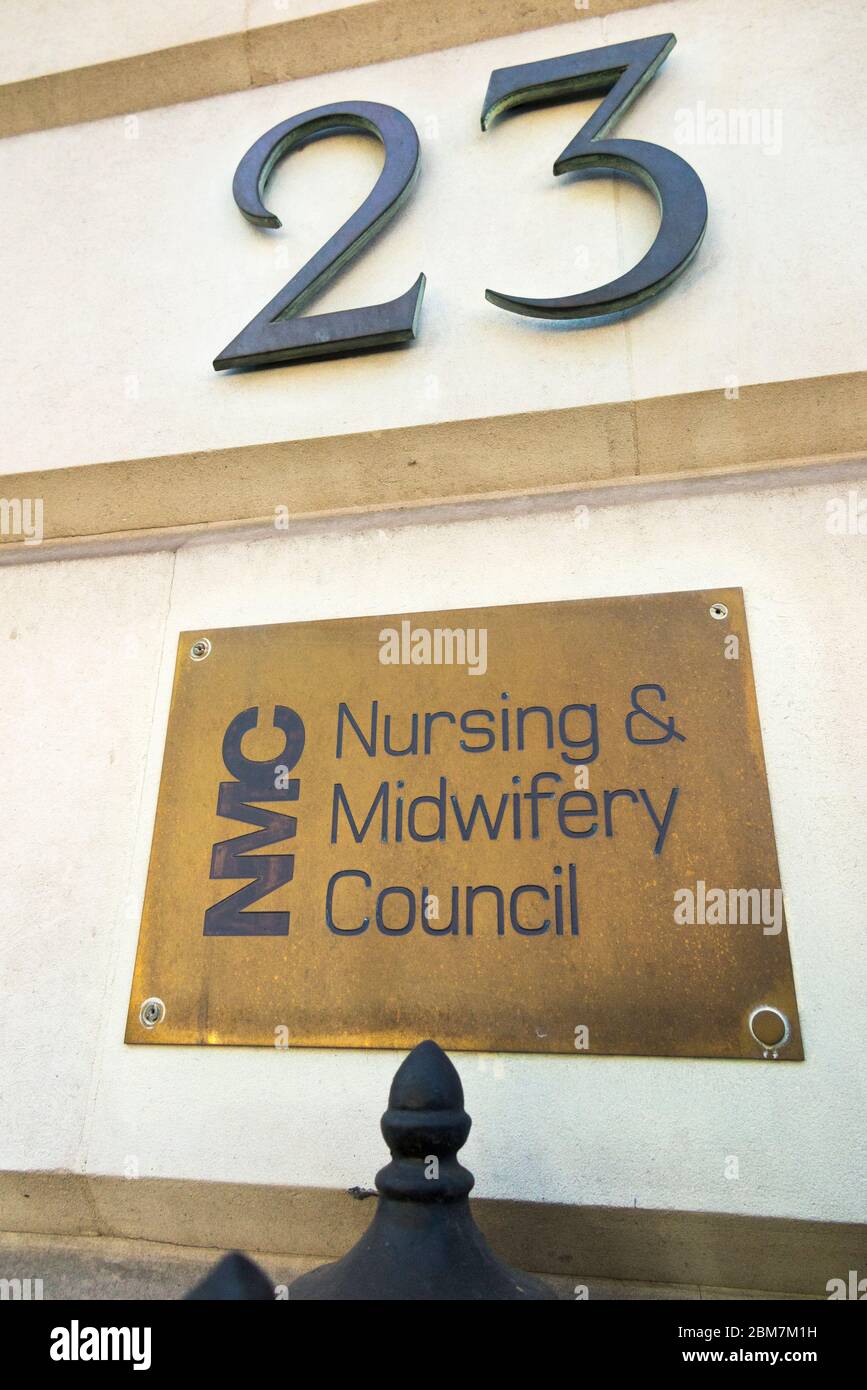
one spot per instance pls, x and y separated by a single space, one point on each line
621 70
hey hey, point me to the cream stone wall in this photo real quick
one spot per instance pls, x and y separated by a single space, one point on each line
125 269
87 657
55 35
127 266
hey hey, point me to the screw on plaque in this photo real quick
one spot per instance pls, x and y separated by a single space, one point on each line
152 1012
770 1028
200 649
718 610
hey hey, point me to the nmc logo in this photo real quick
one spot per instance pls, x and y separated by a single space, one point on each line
255 781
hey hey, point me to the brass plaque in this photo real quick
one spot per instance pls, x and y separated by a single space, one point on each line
538 828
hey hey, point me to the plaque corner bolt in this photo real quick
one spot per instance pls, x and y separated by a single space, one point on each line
770 1028
152 1012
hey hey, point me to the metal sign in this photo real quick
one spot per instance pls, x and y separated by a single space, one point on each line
539 828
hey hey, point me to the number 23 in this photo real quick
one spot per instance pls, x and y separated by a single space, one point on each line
619 73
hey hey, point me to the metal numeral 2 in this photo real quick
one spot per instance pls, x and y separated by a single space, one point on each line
276 334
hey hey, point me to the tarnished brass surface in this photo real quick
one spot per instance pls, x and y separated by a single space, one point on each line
620 968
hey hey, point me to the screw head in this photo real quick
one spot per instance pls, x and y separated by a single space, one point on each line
719 611
200 649
770 1028
152 1012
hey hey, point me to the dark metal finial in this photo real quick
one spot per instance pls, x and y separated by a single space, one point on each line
423 1242
424 1126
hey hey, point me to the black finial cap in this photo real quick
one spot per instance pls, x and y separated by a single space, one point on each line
426 1079
424 1126
423 1242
